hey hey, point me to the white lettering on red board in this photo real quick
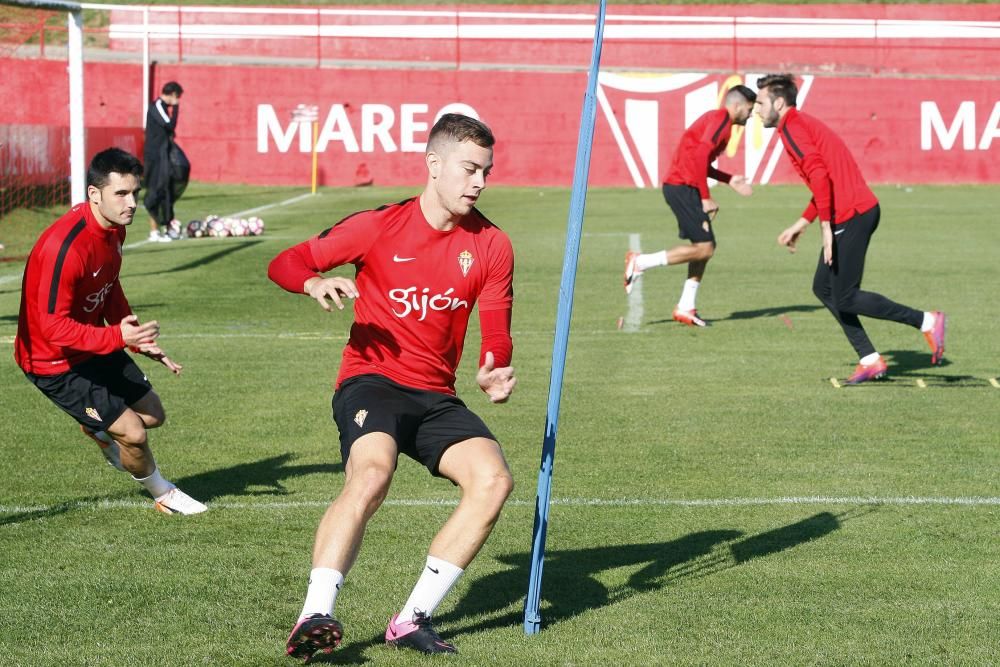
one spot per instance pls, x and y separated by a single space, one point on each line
963 123
380 127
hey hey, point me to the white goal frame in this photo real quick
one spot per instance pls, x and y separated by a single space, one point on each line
77 150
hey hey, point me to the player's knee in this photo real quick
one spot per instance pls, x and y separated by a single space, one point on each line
132 436
154 418
495 488
846 303
704 251
821 291
370 485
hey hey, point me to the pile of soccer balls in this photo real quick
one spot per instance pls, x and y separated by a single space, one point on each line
215 226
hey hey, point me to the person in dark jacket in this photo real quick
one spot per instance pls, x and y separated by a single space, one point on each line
161 123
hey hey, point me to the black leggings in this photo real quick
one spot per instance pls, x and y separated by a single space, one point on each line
839 286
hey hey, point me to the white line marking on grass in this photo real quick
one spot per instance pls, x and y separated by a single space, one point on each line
267 206
633 317
10 279
906 501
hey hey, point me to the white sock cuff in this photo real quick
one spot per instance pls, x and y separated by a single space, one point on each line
928 322
869 359
324 584
443 567
155 484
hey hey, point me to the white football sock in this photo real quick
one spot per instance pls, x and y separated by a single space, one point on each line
689 295
929 321
435 581
324 584
649 260
155 484
869 359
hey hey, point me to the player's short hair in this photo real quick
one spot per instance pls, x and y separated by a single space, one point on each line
458 128
172 88
779 85
109 161
741 91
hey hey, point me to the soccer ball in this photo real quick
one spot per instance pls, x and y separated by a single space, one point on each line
255 226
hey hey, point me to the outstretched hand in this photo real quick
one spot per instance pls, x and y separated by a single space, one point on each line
334 288
741 185
710 207
154 352
790 236
498 383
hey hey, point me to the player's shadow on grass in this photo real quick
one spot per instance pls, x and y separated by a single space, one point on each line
777 311
201 261
910 363
571 585
52 510
259 478
753 314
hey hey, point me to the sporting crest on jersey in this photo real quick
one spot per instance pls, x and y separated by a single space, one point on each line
465 260
359 418
92 413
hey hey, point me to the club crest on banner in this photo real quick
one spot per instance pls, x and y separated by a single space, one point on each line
647 113
465 260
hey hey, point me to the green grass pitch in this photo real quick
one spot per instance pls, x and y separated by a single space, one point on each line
718 501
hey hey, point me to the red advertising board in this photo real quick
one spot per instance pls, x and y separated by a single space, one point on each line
236 123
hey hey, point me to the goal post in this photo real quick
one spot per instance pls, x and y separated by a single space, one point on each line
77 148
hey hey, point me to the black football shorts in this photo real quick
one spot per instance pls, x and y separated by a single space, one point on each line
423 423
692 221
98 391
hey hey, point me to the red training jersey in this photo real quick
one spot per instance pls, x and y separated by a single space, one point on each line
416 285
69 291
699 146
828 168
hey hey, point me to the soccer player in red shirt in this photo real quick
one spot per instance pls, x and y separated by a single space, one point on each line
75 324
420 267
849 214
686 190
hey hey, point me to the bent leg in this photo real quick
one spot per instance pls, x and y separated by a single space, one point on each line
368 473
129 432
694 253
824 289
851 246
150 410
479 469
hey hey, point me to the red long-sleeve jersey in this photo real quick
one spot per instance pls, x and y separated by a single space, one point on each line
70 290
827 167
699 146
417 286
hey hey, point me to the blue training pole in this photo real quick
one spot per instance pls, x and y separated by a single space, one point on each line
532 618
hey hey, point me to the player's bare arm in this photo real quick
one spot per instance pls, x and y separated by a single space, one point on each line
742 186
335 288
137 335
790 236
498 383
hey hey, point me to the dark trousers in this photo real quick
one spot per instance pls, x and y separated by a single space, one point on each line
839 286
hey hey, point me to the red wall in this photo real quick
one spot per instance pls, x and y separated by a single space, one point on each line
897 127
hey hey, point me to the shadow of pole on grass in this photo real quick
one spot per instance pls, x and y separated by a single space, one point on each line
571 586
201 261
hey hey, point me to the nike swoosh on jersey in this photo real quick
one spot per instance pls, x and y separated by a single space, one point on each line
397 258
96 272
